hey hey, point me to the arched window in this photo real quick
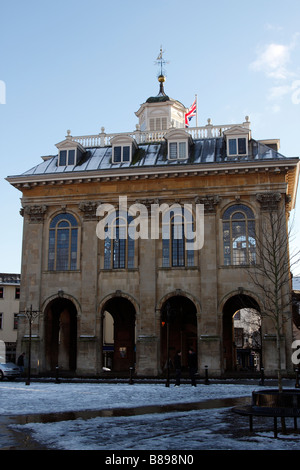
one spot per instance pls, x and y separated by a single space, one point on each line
239 235
63 243
177 230
118 246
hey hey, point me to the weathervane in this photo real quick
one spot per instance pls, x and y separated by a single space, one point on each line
161 61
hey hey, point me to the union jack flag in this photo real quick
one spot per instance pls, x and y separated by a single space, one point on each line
191 112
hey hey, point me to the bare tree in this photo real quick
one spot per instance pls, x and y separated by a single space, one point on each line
272 272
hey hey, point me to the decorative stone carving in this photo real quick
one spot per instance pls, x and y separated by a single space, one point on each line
269 201
35 213
89 209
210 202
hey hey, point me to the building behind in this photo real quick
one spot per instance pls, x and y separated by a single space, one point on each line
9 311
121 302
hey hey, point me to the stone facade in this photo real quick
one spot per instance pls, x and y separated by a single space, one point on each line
152 304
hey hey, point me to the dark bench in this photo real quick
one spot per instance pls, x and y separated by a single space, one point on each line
272 403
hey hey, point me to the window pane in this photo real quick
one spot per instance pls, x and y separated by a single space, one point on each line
51 253
130 253
232 147
117 154
242 146
74 249
62 250
190 257
164 123
126 153
62 157
107 253
182 149
165 253
173 150
71 157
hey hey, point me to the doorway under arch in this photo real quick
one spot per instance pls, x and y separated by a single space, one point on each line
241 334
61 335
122 350
178 329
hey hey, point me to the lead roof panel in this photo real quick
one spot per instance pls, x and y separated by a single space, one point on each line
201 151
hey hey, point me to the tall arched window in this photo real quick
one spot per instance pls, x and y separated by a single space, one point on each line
118 246
239 235
177 229
63 243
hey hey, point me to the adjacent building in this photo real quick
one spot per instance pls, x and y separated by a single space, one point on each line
9 311
107 254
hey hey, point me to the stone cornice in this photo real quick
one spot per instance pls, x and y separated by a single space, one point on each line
171 171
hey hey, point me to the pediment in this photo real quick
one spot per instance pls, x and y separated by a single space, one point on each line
177 134
236 130
69 144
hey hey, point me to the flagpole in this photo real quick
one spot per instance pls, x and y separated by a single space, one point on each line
196 110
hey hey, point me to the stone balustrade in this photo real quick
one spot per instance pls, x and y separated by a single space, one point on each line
203 132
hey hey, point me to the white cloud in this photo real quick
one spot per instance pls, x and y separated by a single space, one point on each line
273 60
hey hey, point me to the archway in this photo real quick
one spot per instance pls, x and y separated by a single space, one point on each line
61 335
178 329
122 351
241 334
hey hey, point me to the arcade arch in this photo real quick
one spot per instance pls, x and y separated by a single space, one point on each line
178 328
60 335
118 333
241 333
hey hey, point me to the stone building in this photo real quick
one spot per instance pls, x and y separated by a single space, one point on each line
9 311
128 301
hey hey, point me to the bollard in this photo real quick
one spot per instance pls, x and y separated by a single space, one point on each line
130 378
57 381
206 376
262 377
297 378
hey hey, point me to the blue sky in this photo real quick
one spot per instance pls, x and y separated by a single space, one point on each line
81 65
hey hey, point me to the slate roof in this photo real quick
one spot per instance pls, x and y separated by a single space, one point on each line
155 155
10 278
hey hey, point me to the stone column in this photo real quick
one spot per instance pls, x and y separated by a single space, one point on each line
209 351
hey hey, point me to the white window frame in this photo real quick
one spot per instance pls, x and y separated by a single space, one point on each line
236 138
122 146
67 157
178 157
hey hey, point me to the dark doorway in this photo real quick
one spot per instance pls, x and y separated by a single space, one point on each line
60 335
123 348
236 356
178 329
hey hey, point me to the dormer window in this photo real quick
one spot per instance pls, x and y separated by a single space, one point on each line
178 144
121 154
70 152
237 138
123 148
67 157
178 150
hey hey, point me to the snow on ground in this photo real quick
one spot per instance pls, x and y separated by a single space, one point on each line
216 428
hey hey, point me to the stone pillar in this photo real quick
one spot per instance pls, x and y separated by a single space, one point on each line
31 271
147 335
209 350
89 342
